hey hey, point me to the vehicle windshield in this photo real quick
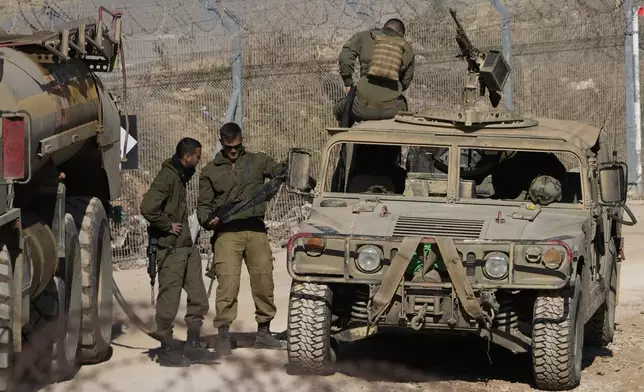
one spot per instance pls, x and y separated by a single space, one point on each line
542 177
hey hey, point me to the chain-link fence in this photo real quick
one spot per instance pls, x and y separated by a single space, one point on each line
567 58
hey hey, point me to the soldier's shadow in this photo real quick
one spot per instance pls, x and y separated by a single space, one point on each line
238 340
242 339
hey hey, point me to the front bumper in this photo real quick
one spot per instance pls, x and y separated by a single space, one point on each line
335 263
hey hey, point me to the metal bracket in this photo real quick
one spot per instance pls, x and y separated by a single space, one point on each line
65 139
58 224
527 211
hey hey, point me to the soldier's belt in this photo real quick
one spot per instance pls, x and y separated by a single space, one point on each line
376 104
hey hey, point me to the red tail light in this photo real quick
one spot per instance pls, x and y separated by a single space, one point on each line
13 148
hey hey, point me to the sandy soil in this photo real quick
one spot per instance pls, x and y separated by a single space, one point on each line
397 364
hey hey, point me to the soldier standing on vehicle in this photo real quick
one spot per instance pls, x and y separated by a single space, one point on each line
235 174
386 71
165 206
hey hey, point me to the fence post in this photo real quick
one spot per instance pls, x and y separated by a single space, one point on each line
235 110
506 42
632 136
636 102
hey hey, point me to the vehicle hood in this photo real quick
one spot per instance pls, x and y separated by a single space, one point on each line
402 218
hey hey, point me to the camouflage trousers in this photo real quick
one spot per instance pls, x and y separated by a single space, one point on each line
181 269
230 249
365 110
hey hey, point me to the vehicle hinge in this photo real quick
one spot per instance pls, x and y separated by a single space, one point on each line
592 164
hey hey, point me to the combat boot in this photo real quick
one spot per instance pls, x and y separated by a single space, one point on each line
265 340
222 342
196 352
172 356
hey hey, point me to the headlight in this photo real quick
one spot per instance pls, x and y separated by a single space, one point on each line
552 258
369 258
495 265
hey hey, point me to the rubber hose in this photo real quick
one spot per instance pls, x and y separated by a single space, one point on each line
129 312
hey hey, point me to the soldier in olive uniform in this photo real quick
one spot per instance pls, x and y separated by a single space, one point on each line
165 206
234 174
386 70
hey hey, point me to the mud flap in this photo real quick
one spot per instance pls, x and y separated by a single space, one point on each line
392 278
456 272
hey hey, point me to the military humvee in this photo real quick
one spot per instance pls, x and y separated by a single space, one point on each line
471 221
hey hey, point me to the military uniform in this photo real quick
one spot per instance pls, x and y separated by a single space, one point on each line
178 260
386 70
242 237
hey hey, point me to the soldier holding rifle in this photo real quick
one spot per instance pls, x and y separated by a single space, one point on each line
233 175
165 207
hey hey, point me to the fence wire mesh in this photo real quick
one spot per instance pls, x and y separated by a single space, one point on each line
567 62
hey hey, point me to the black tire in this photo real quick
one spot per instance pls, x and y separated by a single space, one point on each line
557 340
96 257
309 325
64 364
600 329
6 310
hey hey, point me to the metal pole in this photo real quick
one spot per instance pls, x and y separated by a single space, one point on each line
506 49
235 110
637 117
237 69
631 134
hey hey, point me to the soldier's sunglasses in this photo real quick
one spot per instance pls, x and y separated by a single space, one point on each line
229 147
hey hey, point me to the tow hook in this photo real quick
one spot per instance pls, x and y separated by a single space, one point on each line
418 320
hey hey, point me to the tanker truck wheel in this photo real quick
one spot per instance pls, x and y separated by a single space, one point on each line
96 260
6 338
69 289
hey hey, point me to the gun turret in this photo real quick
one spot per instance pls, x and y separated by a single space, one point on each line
489 71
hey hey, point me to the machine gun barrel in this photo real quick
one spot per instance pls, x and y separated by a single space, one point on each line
468 51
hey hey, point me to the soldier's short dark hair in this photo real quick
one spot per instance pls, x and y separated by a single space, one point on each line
396 25
187 146
230 131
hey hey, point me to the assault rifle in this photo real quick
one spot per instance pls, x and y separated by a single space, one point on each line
152 261
475 61
153 242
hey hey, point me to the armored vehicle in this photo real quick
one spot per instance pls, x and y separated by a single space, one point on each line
462 220
60 145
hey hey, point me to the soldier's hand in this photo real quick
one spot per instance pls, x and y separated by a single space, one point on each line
213 222
176 228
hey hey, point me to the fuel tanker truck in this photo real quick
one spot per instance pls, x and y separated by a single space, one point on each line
60 168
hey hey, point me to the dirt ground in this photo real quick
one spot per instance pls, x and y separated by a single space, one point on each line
383 363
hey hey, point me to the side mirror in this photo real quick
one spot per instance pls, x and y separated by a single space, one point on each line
613 183
299 171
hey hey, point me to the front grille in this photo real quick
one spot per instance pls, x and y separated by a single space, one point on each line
456 228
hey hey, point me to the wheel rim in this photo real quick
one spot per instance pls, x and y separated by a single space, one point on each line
104 283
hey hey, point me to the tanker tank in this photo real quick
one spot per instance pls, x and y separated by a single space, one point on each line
57 97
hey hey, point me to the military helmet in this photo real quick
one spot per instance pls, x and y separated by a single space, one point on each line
545 190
